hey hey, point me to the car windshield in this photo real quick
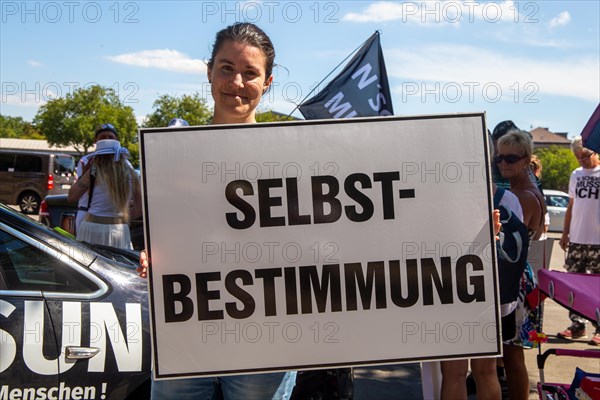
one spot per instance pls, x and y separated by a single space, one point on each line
65 165
130 258
557 201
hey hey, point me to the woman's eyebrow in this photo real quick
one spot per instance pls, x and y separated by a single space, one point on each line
227 61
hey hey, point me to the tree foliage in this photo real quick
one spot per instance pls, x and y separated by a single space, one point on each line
17 128
272 116
557 165
192 108
71 120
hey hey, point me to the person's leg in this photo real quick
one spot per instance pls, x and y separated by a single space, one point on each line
575 262
184 389
593 265
454 373
486 378
517 378
275 386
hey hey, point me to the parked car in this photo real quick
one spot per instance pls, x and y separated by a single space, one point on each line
26 177
556 202
56 210
74 319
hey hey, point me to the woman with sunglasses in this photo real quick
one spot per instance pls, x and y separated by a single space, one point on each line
513 158
240 72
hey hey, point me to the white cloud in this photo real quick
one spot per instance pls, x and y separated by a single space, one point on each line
34 63
166 59
561 19
382 12
430 12
141 119
464 65
24 100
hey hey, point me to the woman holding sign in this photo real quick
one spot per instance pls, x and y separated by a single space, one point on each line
240 72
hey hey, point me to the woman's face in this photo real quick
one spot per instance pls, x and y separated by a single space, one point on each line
511 161
238 80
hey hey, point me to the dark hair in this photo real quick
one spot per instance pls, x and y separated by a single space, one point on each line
503 128
250 34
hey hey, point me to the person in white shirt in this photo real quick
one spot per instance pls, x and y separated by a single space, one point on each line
104 131
114 195
581 232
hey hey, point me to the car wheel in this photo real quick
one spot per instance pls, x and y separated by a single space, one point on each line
29 202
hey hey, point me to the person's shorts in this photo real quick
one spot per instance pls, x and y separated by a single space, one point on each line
509 326
583 258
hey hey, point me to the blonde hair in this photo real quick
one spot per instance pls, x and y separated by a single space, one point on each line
536 166
577 144
120 180
519 139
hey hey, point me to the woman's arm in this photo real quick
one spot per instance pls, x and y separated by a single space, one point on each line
532 212
136 207
80 187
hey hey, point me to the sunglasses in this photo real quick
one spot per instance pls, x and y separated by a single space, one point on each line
508 158
585 157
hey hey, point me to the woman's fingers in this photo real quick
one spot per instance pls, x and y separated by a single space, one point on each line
143 268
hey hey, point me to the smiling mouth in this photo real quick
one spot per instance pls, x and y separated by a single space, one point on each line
236 96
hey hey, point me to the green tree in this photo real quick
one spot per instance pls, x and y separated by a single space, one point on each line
272 116
71 120
17 128
557 165
192 108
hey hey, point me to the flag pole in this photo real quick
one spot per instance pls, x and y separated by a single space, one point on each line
331 72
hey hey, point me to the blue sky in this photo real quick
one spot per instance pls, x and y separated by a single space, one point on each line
535 62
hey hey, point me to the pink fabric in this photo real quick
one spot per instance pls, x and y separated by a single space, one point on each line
578 292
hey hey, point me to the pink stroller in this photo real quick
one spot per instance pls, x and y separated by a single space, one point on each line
579 293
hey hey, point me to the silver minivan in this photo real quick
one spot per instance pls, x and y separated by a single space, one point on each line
26 177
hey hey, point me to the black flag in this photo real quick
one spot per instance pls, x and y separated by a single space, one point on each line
360 90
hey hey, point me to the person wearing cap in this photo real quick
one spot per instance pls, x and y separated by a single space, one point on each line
103 131
113 188
176 122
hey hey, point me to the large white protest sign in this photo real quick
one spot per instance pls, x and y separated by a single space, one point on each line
314 244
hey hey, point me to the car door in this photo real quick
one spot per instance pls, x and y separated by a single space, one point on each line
28 350
557 208
41 291
7 168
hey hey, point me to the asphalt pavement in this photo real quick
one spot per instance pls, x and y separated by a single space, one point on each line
404 381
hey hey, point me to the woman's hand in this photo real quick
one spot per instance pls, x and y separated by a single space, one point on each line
143 268
496 223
